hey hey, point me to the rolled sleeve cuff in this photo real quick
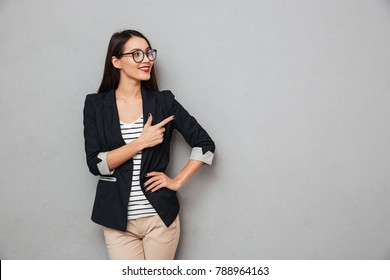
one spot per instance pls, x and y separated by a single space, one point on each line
197 154
103 166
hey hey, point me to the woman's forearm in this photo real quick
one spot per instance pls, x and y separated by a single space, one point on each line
191 168
117 157
158 180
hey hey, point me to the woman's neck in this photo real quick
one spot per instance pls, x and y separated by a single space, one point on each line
128 89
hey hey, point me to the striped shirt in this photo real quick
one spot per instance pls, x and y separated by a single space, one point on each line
139 206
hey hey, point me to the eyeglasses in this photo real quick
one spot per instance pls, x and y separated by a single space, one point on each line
139 55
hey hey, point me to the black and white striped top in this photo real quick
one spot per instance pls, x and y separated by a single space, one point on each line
139 206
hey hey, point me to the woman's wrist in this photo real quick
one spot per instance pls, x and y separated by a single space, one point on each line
139 145
178 182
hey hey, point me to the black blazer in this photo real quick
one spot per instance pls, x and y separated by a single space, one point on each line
102 134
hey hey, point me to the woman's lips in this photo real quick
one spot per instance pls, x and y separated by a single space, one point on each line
145 69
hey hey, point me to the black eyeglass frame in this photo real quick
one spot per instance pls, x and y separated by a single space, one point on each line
143 55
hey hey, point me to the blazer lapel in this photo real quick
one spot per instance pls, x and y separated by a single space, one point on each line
148 107
111 121
148 104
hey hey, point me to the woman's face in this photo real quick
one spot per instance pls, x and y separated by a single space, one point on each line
129 69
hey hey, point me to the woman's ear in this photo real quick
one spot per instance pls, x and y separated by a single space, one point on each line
116 62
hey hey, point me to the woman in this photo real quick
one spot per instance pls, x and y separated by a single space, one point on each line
128 127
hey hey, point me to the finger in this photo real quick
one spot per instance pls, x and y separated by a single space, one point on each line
167 120
153 173
150 181
149 121
154 176
158 184
158 187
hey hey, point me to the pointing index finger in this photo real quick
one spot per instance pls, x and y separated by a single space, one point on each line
164 122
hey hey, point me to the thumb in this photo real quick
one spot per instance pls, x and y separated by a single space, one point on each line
149 121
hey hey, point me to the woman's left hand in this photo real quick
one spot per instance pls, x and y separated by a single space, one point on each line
159 180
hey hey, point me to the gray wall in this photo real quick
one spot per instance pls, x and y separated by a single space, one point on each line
294 93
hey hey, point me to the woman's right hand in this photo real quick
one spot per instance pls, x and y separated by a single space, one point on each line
152 135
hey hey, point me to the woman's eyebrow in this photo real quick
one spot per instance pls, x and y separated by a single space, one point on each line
137 49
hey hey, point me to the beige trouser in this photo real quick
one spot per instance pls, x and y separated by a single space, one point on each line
144 239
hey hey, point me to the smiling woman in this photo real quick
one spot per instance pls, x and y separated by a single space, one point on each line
139 67
128 126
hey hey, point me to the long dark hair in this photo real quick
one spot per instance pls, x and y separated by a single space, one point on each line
115 48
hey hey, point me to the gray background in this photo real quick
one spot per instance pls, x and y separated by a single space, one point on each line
294 93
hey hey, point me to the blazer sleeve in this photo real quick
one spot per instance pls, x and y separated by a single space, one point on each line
203 146
96 158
